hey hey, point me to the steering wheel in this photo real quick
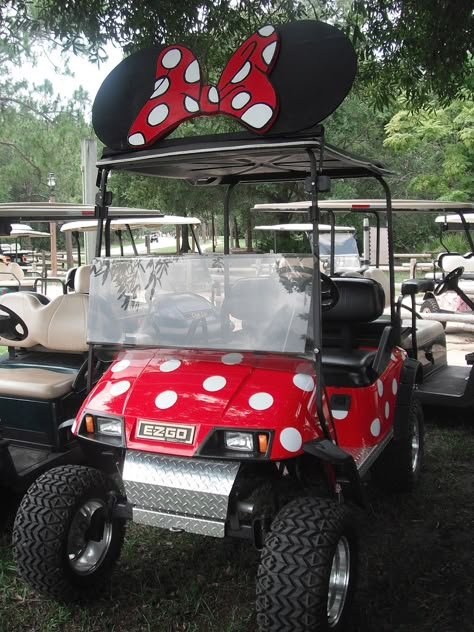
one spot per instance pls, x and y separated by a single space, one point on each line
329 292
8 326
450 281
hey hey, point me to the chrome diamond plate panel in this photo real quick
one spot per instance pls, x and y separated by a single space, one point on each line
196 488
214 528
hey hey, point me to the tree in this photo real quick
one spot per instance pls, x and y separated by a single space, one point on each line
418 47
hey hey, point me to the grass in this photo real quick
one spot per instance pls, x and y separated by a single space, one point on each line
417 575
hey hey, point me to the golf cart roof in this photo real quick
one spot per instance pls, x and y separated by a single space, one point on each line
304 227
23 230
133 222
411 206
240 157
453 221
44 211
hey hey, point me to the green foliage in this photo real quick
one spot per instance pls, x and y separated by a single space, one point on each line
443 139
416 47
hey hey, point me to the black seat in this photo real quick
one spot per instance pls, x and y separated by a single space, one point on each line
351 325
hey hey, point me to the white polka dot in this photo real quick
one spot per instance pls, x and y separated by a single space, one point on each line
392 357
213 95
214 383
387 410
266 31
304 382
261 401
243 72
290 439
119 388
172 58
158 114
339 414
193 72
268 52
240 100
257 116
170 365
161 86
394 386
120 366
375 427
380 387
166 399
191 104
136 139
232 358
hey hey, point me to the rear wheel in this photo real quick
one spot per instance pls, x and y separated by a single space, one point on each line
66 541
398 467
307 572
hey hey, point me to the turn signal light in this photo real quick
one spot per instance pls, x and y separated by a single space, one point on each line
90 423
263 443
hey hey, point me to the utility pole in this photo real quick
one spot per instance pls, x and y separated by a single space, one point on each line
52 227
89 176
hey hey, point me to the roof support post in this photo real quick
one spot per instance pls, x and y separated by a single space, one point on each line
316 294
228 193
391 265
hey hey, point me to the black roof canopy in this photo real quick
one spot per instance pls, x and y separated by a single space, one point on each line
232 158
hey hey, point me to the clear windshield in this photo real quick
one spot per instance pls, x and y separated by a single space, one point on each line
254 302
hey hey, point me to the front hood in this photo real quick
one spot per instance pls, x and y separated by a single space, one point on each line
205 389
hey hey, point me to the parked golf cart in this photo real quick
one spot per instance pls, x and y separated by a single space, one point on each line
127 225
268 428
343 243
44 374
454 273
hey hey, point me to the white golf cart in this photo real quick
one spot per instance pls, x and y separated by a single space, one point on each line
346 251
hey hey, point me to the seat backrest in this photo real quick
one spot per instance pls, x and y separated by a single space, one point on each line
361 300
448 261
82 279
27 306
61 324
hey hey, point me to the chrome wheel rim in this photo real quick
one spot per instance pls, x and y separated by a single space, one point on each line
339 581
415 444
85 555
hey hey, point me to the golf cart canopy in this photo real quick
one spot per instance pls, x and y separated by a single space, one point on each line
455 221
56 211
132 222
233 158
409 206
304 227
23 230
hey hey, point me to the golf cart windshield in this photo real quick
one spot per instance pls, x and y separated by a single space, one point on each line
254 302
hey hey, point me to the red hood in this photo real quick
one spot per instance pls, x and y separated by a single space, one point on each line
206 389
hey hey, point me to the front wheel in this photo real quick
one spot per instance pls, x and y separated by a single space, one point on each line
66 541
307 573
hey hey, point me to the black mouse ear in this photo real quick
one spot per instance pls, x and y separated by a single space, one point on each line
279 81
313 74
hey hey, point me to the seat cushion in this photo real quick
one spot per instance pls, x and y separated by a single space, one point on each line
426 332
35 383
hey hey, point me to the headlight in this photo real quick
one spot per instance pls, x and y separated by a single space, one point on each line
95 427
239 441
109 426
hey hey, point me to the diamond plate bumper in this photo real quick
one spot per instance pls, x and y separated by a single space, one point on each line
181 493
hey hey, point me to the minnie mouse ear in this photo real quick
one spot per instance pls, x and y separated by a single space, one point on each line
311 72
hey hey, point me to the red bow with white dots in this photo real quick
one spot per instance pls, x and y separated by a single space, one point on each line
244 90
